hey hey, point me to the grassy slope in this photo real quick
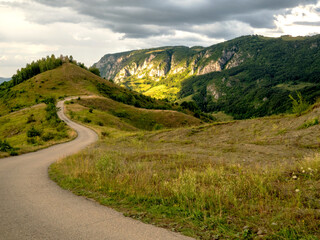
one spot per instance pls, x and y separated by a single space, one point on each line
67 80
14 128
237 180
71 80
121 116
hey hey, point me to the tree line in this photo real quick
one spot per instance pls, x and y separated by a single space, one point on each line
35 68
43 65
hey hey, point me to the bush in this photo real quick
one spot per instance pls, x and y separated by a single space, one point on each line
31 119
87 120
32 140
33 132
61 135
61 127
13 153
105 134
5 146
121 114
157 127
309 123
299 105
48 136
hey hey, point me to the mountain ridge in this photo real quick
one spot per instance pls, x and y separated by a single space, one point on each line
210 76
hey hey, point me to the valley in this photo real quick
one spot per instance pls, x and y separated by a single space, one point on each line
204 174
249 76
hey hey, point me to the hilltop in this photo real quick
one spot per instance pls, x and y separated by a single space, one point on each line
249 76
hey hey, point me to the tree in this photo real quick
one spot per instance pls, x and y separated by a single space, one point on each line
95 71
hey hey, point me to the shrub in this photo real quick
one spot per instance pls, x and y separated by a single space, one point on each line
87 120
299 105
32 140
13 153
157 126
33 132
105 134
309 123
121 114
5 146
61 127
48 136
31 119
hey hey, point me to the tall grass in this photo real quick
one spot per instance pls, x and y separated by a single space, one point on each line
208 201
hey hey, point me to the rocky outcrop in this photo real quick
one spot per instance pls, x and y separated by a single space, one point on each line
212 90
110 65
219 65
149 68
159 63
212 66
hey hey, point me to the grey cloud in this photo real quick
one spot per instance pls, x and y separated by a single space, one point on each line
145 18
317 24
224 30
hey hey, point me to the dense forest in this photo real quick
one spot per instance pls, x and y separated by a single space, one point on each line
261 85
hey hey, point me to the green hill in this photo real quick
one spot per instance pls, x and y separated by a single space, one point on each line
250 76
22 108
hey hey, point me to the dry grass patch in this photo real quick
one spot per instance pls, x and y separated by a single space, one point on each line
238 180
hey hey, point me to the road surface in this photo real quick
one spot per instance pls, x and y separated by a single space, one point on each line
34 207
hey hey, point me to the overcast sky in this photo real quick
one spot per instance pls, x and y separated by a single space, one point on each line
88 29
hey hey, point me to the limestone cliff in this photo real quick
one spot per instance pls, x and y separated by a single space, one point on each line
159 63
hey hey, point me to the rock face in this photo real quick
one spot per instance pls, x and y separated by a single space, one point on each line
160 63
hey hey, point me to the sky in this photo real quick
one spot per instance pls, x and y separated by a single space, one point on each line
89 29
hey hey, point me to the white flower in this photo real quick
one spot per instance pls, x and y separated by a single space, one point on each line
294 177
297 190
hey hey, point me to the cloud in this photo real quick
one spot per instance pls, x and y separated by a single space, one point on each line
317 24
145 18
31 29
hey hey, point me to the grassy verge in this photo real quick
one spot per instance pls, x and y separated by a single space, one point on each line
31 129
239 180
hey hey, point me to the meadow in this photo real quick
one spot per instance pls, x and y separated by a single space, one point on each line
248 179
31 129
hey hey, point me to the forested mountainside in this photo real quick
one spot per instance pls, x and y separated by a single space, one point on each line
249 76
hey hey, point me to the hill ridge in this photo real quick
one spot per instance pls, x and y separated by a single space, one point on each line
232 73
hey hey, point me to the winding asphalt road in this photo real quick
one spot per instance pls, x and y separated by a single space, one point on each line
34 207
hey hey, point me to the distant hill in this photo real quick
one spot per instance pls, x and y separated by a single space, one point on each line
4 79
250 76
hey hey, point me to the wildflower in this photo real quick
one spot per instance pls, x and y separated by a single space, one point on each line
303 171
297 190
294 177
309 169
